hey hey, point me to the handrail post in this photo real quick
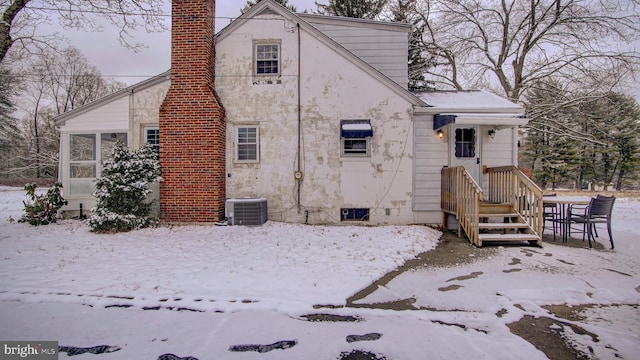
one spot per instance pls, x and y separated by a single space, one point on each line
463 201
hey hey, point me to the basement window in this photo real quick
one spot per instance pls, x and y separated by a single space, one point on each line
354 214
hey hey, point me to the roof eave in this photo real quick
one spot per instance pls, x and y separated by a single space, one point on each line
61 119
481 110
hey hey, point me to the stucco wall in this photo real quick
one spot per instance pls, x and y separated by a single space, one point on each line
331 88
144 110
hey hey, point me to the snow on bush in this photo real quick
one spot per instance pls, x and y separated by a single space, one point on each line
42 209
121 192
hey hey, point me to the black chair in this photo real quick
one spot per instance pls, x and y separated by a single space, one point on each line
598 212
550 213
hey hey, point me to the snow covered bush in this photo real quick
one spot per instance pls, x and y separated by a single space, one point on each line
121 192
42 209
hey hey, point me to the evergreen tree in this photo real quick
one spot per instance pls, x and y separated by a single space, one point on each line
284 3
362 9
613 119
581 138
122 190
547 150
405 11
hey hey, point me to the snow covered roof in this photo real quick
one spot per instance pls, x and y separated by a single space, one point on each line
467 101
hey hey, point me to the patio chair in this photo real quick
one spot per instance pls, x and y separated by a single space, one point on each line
550 213
597 212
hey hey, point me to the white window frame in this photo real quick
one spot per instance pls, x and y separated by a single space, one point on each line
350 153
156 146
87 182
466 147
256 144
256 44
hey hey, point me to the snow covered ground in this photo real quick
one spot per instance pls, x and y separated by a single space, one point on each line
201 291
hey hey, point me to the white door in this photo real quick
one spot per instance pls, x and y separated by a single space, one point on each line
464 149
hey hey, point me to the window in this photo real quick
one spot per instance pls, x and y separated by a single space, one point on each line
465 143
108 143
152 136
355 136
267 58
247 144
82 156
354 214
355 147
86 154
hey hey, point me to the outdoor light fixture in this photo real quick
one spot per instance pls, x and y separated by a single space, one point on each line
440 134
492 133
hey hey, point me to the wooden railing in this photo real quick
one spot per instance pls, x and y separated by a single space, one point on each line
507 184
461 195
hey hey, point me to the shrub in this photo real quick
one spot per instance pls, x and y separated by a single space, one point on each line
122 190
42 209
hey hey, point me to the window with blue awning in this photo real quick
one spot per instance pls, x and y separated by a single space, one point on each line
351 129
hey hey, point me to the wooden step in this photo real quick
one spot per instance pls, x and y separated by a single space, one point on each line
498 226
508 237
495 208
492 215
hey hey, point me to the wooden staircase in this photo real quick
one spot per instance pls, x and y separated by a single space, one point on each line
501 222
512 211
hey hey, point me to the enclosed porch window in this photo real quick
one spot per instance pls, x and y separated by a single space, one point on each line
86 154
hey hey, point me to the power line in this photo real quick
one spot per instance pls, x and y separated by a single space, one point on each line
39 75
113 12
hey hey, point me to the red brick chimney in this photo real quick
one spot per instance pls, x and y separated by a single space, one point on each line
192 124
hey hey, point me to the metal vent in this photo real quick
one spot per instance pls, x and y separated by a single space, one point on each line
246 211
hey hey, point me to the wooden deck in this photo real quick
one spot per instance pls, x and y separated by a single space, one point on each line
510 212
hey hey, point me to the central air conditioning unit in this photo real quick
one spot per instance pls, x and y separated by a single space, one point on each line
246 211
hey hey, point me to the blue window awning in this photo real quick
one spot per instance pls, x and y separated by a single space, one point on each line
441 120
495 119
355 129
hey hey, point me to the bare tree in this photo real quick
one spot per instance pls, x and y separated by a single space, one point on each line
511 45
250 3
364 9
57 82
9 133
19 19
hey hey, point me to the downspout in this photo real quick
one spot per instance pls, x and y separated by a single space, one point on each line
130 142
298 174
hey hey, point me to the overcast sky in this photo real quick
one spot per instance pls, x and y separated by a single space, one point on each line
105 51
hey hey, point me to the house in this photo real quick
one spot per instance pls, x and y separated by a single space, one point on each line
310 112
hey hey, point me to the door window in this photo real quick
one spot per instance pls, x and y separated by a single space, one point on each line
465 143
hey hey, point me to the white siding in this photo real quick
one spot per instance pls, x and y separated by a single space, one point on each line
113 115
429 158
500 150
385 50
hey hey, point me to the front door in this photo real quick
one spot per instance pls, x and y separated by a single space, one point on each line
464 149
